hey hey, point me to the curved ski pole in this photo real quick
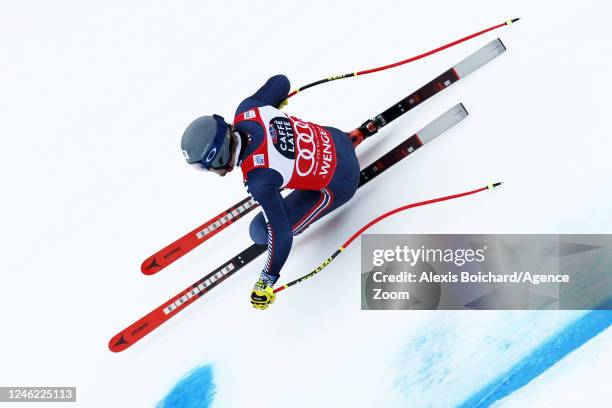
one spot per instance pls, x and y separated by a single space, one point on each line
377 220
398 63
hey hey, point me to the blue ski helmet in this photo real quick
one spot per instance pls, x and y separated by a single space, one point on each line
206 143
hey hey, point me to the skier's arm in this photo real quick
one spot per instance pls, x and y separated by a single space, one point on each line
280 237
272 93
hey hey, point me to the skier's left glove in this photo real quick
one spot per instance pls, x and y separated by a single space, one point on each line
262 295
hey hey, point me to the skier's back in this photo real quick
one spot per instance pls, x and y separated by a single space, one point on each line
274 151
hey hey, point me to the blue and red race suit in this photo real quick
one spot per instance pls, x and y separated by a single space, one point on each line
278 151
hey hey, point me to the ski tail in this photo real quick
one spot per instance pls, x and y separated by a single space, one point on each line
434 129
402 62
468 65
173 306
444 122
484 55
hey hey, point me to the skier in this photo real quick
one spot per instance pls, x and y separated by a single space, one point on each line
275 150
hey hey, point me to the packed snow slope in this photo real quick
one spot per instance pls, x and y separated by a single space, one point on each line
94 101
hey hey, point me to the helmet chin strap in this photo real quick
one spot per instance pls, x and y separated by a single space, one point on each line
236 150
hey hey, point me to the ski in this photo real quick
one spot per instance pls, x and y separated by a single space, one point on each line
403 62
167 310
438 84
188 242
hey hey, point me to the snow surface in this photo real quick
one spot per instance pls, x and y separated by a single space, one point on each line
94 100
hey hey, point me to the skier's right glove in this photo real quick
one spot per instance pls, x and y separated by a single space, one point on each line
262 295
283 103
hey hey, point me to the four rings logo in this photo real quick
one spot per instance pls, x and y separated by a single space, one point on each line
314 152
305 160
312 144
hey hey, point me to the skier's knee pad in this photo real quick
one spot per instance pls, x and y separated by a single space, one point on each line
258 230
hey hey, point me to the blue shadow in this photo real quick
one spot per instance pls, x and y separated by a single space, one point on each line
195 390
543 357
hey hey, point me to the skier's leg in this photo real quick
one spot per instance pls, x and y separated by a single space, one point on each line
303 207
340 190
300 205
258 229
303 210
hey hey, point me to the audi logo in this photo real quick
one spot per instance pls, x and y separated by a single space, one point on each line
306 149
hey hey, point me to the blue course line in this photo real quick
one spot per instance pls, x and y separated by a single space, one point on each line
195 390
543 357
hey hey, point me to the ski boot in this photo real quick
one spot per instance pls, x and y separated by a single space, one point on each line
263 294
367 129
356 137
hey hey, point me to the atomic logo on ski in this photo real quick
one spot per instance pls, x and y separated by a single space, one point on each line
153 264
120 342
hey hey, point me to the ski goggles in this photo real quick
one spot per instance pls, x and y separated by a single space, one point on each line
218 154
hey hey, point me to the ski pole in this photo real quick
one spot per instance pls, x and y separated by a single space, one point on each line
403 62
375 221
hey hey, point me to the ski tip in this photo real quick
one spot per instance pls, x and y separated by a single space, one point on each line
150 266
491 186
512 21
118 343
463 107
